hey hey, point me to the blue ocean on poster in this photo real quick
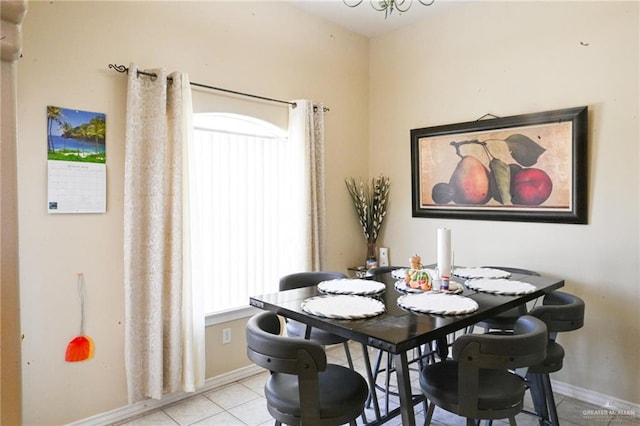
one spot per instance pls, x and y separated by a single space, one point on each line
76 145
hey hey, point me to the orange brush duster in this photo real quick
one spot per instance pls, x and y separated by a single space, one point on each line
80 348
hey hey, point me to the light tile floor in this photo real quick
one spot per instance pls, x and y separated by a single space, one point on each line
242 404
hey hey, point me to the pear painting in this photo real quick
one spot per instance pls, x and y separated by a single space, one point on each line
527 168
474 183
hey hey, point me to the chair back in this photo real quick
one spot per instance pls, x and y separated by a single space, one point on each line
307 279
476 353
379 270
524 347
280 354
290 356
560 311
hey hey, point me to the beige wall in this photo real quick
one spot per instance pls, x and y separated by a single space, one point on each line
469 59
509 58
269 49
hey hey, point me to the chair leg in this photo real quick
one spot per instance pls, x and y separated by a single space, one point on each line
427 355
442 348
550 400
376 369
386 383
430 407
348 353
512 421
538 396
419 357
376 372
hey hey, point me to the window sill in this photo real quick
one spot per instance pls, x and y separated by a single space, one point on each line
229 315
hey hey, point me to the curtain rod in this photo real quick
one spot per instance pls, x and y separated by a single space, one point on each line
125 70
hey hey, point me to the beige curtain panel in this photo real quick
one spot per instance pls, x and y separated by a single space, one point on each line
158 304
306 132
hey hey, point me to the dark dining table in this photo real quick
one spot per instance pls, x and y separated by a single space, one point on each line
398 330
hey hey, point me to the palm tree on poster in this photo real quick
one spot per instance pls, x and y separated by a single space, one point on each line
67 129
53 116
96 130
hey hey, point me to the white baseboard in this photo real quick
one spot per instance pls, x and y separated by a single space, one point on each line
594 398
143 407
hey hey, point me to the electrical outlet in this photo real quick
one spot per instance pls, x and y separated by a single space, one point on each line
383 258
226 336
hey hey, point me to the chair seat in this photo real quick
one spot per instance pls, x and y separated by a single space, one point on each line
553 361
298 329
498 389
339 389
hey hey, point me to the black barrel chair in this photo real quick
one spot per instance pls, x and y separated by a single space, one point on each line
298 329
303 389
561 312
477 383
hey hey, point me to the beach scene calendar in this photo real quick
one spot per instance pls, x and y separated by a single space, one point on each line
76 161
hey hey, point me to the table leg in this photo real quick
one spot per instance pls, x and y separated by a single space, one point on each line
404 389
372 382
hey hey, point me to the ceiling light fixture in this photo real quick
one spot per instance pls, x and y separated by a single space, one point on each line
388 6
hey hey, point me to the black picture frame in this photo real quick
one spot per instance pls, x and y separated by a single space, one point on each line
535 166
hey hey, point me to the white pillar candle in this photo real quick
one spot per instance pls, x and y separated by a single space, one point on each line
444 251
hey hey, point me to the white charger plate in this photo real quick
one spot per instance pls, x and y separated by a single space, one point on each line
437 303
470 273
399 274
500 286
343 306
351 286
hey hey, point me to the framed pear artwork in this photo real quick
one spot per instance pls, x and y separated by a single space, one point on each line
529 168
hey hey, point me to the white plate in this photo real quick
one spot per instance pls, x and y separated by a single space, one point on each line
351 286
343 306
437 303
469 273
454 288
500 286
399 274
